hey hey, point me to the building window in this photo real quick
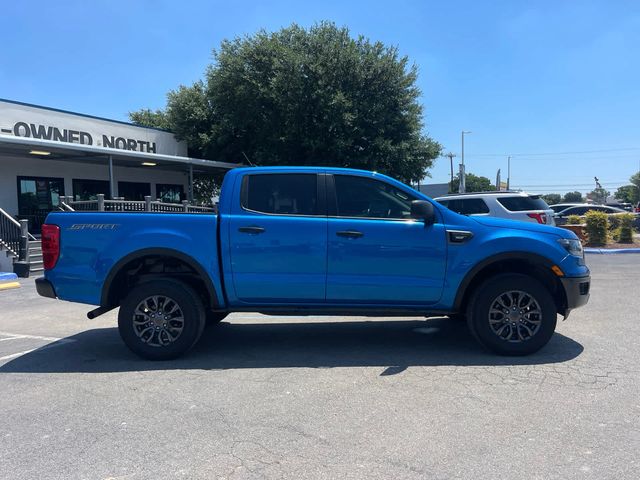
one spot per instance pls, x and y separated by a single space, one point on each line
89 189
134 190
37 196
170 193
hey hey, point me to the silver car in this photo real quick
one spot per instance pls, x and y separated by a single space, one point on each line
510 205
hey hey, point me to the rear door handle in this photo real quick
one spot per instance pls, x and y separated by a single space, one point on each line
350 234
251 230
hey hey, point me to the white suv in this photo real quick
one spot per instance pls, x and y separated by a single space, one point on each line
511 205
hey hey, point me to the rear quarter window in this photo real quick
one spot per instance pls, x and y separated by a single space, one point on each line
466 206
521 204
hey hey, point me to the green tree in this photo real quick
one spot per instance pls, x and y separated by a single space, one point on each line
473 183
627 193
150 118
552 198
635 180
598 195
573 197
301 96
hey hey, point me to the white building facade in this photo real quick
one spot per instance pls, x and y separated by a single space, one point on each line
47 153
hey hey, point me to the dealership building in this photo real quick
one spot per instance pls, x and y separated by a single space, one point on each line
46 153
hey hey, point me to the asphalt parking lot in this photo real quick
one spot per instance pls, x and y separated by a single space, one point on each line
307 398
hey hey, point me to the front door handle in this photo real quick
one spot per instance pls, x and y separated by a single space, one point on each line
251 230
350 234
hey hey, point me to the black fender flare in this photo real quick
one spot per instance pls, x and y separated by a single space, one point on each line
532 258
157 251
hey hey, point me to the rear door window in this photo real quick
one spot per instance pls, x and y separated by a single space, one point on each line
521 204
575 211
281 194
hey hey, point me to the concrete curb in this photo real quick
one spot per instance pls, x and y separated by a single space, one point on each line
611 251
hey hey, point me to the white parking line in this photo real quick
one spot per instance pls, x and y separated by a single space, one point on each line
33 337
7 357
54 342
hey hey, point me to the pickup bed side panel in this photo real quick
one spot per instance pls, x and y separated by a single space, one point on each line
92 243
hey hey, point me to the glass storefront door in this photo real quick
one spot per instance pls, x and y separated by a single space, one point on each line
37 196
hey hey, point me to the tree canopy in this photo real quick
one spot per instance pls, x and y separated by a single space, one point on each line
301 96
473 183
627 193
552 198
573 197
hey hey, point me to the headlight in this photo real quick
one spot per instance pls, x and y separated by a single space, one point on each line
573 246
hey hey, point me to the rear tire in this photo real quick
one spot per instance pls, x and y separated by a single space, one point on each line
512 314
161 319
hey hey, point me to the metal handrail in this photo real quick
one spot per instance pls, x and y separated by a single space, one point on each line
16 222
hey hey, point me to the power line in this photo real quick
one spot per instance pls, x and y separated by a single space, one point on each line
557 153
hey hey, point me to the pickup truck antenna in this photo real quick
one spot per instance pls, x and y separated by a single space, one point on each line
247 158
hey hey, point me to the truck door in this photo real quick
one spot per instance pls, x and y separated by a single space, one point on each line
377 254
278 239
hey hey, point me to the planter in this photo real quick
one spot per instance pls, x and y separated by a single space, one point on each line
579 230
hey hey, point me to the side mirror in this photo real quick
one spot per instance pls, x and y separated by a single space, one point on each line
423 210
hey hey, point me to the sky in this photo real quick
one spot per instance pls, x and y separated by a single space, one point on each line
555 84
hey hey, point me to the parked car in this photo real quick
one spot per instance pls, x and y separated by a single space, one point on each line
314 241
627 207
558 207
511 205
562 216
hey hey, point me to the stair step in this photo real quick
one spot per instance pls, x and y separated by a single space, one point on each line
36 270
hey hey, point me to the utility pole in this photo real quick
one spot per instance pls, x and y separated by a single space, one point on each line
508 172
451 155
463 184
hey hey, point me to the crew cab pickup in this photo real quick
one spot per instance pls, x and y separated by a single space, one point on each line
321 241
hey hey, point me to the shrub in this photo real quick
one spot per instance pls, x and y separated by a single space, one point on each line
596 227
574 220
625 231
614 222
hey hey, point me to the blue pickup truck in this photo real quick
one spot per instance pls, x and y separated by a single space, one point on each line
321 241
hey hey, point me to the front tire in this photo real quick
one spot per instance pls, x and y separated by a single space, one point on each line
512 314
161 319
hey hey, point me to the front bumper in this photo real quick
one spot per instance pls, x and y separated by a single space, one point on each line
576 291
45 288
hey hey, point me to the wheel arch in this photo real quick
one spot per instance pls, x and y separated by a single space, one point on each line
111 289
526 263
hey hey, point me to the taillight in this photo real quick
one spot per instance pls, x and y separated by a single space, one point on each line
50 245
540 217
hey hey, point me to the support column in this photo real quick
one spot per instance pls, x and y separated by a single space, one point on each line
112 186
190 194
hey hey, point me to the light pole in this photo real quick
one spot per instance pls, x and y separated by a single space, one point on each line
508 172
463 184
